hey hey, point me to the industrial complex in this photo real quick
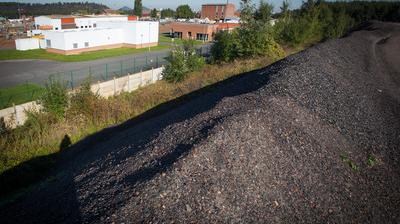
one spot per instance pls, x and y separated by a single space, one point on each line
73 34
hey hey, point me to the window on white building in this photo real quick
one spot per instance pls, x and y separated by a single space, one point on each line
48 43
75 45
86 44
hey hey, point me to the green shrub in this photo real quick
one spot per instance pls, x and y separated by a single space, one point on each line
181 61
83 101
225 47
55 98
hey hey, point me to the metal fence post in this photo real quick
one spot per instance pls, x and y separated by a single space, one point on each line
90 70
157 61
121 69
106 71
134 65
146 62
72 81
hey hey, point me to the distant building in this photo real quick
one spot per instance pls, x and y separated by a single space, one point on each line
62 22
107 35
217 11
76 34
198 31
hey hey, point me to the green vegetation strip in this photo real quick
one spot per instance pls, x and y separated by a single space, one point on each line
19 94
166 39
43 54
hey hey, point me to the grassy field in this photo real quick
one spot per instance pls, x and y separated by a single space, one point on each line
42 54
166 39
19 94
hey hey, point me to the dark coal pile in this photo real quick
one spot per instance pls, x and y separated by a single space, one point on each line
312 138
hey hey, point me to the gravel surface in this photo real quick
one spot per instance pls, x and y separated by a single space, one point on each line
285 144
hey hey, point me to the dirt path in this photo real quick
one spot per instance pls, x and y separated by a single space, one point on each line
313 138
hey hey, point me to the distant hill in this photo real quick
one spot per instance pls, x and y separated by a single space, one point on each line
10 9
125 8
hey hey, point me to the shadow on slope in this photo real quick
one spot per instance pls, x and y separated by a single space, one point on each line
56 200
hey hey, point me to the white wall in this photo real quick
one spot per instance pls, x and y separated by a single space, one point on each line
136 32
47 21
42 21
56 38
27 44
95 37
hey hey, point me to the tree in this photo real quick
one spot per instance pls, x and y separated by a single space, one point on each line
225 48
184 12
153 13
167 13
181 61
138 9
264 12
55 98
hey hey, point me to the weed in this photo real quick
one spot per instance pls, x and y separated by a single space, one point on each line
372 161
349 162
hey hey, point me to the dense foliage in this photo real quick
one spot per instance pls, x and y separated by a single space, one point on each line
253 38
318 20
314 21
167 13
55 99
138 8
10 9
181 61
154 13
184 12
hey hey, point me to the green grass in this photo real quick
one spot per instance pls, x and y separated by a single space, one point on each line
87 56
166 39
19 94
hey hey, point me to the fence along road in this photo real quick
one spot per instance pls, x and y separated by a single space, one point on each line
14 72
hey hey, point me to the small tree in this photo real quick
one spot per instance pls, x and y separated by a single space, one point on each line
225 47
138 8
181 61
184 12
264 12
154 13
167 13
55 98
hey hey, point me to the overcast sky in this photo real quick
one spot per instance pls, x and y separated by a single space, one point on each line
195 4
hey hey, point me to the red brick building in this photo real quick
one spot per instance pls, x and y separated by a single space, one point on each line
217 11
197 31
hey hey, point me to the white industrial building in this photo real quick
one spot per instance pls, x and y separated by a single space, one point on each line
133 34
60 22
73 35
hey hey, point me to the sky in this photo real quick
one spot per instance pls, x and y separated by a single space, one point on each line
194 4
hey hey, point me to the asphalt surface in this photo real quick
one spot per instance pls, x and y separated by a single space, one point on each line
270 146
14 72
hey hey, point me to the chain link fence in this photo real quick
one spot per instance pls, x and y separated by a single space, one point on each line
104 72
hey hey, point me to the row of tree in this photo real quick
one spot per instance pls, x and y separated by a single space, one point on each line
12 10
314 21
182 11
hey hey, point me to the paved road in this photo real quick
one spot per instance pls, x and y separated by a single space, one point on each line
14 72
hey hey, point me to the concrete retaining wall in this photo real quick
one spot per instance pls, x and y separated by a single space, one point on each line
14 116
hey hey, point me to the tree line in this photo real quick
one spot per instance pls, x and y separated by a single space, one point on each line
313 21
10 9
182 11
